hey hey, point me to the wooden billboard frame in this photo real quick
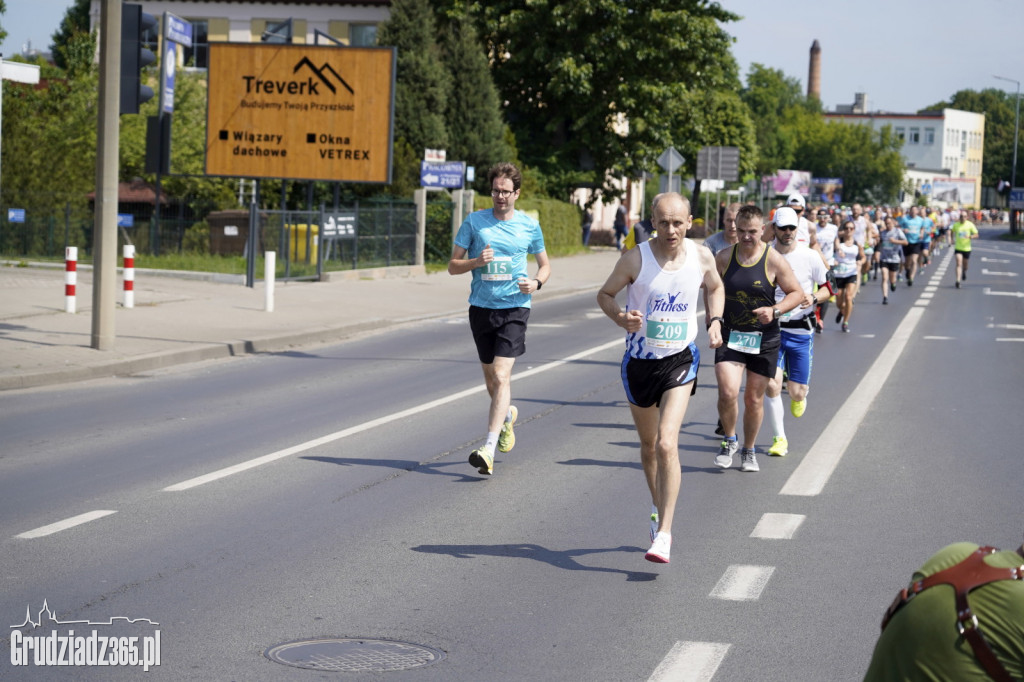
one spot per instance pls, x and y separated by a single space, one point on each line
302 112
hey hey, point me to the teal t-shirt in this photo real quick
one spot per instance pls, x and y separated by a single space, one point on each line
496 286
921 641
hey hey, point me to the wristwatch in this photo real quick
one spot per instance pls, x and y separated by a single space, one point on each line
539 283
721 321
775 313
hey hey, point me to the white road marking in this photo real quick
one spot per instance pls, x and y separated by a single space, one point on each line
939 338
742 583
374 423
928 294
931 288
1005 326
690 662
547 325
778 526
989 292
811 475
994 260
66 523
986 271
1010 339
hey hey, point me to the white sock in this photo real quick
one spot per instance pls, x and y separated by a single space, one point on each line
773 410
492 441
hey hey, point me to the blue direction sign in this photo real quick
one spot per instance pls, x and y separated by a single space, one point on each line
447 175
1017 198
15 215
125 220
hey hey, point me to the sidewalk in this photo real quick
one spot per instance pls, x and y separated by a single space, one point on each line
183 319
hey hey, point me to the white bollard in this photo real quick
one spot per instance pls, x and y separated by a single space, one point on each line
70 277
269 268
129 276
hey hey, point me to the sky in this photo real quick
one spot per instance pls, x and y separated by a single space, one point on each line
904 54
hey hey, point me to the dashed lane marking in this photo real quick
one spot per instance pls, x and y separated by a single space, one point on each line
65 524
777 526
690 662
742 583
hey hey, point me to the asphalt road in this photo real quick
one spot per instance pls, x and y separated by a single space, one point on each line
325 493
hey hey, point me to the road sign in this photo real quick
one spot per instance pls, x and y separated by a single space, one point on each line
340 225
1017 198
446 175
671 160
719 163
15 215
177 30
125 220
926 188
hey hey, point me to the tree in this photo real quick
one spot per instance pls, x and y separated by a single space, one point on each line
599 88
422 85
475 126
868 161
75 22
3 33
1000 115
771 96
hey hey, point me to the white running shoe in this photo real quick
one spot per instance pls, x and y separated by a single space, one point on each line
660 548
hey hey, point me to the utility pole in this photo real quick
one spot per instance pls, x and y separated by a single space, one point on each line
104 285
1013 169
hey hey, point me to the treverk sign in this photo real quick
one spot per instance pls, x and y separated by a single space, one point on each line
300 112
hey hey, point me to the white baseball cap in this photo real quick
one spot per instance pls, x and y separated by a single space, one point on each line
786 216
797 198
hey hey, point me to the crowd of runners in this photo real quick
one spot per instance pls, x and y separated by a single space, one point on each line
766 283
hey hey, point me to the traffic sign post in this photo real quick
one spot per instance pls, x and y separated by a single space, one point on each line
1017 199
671 161
719 163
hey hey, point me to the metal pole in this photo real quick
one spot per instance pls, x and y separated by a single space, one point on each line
1013 169
104 290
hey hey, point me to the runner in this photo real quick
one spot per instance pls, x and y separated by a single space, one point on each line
912 227
750 271
890 251
963 232
849 256
663 278
797 330
827 233
492 244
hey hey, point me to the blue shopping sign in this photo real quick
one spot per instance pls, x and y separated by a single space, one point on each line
447 175
125 220
15 215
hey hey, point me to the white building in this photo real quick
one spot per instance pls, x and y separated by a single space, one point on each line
351 23
949 143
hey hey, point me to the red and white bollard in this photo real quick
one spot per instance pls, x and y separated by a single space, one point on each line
129 276
70 277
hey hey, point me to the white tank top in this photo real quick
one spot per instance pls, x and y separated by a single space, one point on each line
668 299
846 260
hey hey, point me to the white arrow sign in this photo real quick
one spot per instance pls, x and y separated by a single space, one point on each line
993 260
1018 294
986 271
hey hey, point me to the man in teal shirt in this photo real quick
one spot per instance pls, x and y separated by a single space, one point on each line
493 244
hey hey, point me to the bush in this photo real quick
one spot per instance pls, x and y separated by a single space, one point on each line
197 238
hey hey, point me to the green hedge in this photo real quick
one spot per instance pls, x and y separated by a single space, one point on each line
559 220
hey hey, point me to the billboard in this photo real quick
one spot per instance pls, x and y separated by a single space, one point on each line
827 190
302 112
789 181
954 191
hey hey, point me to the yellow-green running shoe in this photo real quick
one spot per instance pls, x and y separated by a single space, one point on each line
507 437
483 459
779 448
797 407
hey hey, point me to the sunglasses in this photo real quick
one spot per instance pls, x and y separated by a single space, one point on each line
785 228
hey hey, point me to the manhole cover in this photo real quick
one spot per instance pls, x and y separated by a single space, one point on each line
354 655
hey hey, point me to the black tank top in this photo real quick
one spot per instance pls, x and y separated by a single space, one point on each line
747 288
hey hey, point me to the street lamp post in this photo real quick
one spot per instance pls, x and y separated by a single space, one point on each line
1013 169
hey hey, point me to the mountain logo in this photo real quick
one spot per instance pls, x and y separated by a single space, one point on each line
325 73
